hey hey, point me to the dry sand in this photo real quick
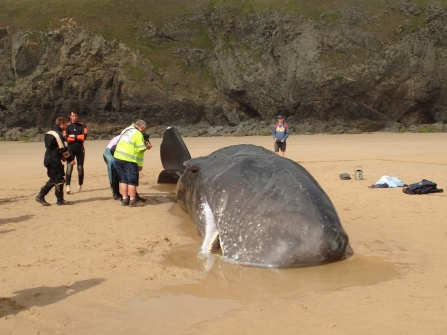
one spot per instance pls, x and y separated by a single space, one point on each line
98 268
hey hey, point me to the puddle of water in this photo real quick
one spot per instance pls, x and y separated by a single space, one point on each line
244 284
159 315
223 280
225 287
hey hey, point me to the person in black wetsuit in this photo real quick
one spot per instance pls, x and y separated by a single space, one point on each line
75 135
55 153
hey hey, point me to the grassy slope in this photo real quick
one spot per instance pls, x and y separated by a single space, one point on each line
116 19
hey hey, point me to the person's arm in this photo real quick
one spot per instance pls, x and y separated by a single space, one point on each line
66 157
286 132
70 138
48 139
82 137
65 135
140 144
274 133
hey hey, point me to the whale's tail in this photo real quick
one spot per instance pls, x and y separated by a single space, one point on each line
173 152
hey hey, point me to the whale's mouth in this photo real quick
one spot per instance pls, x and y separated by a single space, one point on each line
211 241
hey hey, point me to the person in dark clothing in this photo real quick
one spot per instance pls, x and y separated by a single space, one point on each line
75 135
55 153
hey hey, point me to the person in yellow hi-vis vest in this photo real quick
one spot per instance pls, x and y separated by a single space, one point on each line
129 155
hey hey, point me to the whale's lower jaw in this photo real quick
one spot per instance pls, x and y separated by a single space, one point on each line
211 240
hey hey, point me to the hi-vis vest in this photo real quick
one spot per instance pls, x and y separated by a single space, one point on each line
131 146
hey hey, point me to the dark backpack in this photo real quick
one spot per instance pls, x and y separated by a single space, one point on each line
423 187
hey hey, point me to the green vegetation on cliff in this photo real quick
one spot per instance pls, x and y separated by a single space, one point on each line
123 20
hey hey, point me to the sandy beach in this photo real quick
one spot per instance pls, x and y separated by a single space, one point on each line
99 268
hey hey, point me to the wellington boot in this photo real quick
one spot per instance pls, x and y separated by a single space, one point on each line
63 202
40 198
43 192
59 192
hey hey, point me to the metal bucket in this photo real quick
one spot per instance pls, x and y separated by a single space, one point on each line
358 173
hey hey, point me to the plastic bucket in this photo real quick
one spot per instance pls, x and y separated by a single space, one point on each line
358 173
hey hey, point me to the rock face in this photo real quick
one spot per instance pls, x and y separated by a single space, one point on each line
337 72
45 77
342 70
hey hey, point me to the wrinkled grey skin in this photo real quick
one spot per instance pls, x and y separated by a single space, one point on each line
266 210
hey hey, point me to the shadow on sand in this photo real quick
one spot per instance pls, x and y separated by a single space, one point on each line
43 296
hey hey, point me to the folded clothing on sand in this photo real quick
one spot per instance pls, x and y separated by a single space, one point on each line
388 182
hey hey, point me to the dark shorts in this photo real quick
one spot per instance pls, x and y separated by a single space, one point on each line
128 172
280 145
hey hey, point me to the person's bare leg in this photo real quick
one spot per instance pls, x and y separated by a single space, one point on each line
124 190
132 191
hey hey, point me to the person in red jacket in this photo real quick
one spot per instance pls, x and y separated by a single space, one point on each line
75 135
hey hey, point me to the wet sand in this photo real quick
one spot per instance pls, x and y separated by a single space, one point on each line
98 268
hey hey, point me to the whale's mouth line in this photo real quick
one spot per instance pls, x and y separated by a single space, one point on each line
211 241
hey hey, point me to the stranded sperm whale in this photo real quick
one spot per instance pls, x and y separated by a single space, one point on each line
261 209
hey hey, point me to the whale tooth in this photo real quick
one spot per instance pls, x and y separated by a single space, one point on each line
214 243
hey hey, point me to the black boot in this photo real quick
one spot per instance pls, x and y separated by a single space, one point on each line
116 191
140 199
59 191
41 196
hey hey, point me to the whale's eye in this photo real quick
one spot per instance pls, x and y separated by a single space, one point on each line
193 168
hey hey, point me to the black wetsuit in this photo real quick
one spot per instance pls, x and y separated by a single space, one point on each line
56 151
76 148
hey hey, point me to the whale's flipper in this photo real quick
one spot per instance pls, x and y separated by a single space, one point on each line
168 177
173 152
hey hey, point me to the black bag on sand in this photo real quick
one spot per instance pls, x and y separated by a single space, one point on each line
423 187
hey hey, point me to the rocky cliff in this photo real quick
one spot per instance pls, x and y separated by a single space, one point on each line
339 71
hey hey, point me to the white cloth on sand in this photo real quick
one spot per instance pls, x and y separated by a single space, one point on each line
391 181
